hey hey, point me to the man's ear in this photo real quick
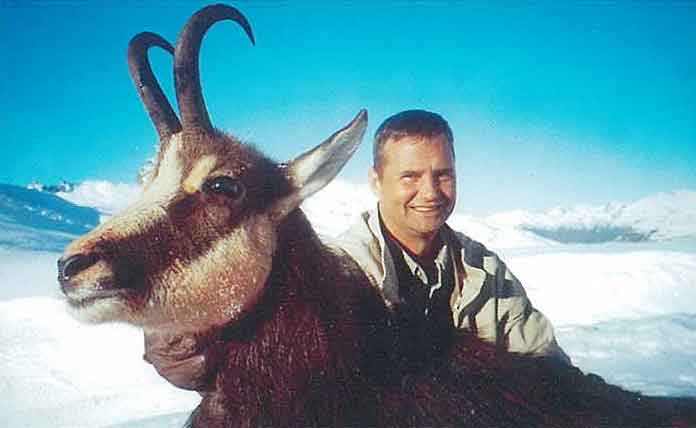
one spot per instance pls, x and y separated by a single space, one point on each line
374 181
314 169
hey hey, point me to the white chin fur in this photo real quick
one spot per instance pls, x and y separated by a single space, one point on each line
100 311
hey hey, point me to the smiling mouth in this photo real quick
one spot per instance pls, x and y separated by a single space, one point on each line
430 209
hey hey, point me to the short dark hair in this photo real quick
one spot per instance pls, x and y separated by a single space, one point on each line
409 123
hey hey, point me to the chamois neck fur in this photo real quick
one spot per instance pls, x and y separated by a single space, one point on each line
299 341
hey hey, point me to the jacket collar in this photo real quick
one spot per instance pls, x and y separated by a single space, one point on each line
389 281
468 280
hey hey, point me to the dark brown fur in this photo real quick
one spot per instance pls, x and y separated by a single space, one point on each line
321 349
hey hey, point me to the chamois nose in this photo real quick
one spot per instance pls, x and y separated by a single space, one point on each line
72 265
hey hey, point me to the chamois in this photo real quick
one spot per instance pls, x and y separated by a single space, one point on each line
218 249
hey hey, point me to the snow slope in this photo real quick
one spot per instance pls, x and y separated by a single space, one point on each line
106 197
57 372
37 220
622 310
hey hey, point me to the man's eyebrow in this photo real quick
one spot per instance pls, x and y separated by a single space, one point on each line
410 172
444 170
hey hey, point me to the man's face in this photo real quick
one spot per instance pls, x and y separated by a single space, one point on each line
416 186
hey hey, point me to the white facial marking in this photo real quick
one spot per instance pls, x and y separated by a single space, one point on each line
150 207
199 173
169 174
102 310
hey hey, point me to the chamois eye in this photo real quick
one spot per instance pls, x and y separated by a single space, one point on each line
226 186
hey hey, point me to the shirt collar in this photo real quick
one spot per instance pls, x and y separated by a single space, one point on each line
440 260
412 263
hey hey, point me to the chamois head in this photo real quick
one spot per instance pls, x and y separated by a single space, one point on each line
196 249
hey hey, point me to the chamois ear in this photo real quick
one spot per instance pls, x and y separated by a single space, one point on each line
314 169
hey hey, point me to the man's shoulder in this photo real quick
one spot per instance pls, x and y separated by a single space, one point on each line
474 252
360 243
357 234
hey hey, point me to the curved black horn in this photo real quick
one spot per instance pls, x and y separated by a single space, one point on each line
186 76
150 92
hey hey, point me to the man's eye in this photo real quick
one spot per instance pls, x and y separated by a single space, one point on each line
226 186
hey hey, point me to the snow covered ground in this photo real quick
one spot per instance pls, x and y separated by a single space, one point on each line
622 310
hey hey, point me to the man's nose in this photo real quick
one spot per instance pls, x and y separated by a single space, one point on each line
430 187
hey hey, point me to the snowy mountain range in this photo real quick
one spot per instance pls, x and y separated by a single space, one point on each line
661 217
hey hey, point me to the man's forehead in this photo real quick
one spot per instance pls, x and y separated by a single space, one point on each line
417 148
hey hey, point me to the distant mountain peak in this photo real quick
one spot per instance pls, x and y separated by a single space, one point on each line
63 186
663 216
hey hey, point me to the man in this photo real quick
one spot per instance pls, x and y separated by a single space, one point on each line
442 280
438 281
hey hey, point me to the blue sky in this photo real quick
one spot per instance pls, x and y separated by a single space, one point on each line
550 104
